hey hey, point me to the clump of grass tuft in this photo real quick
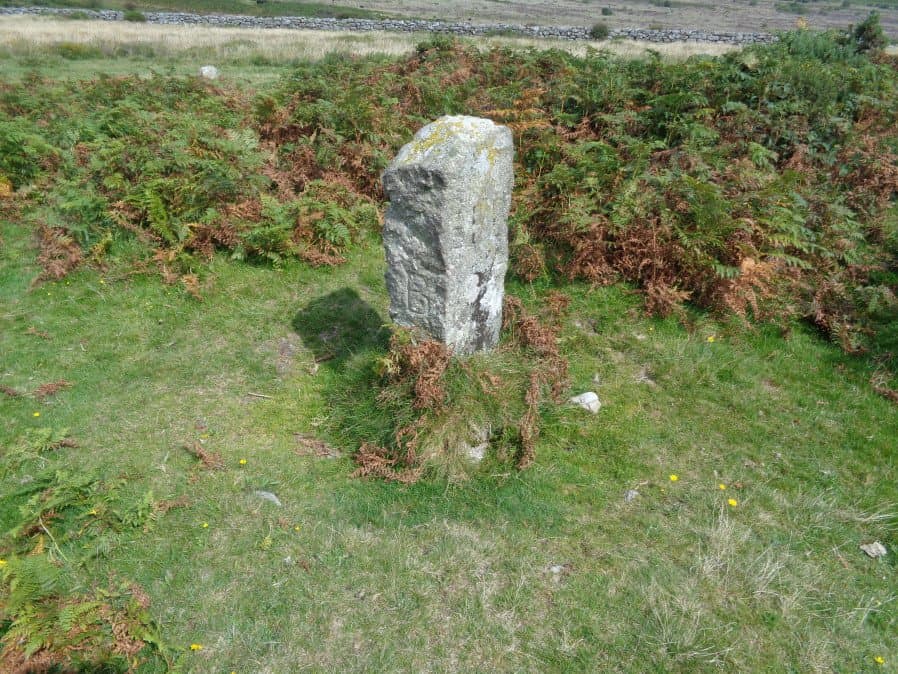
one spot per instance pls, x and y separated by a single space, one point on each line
447 412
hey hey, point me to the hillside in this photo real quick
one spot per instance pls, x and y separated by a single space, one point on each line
216 454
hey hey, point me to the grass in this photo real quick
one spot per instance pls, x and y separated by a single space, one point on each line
459 577
79 49
548 569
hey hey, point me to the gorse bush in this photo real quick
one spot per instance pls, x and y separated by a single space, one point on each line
599 30
761 183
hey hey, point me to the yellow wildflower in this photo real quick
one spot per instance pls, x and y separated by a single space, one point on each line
733 502
674 478
879 660
242 462
711 339
36 414
296 528
205 525
2 563
721 486
196 647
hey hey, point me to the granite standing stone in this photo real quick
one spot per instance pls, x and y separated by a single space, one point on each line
446 231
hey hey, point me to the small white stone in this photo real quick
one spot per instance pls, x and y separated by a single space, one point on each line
268 496
875 549
477 453
588 401
209 72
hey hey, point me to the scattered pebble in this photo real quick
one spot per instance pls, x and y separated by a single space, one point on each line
630 494
644 376
477 453
875 549
588 401
209 72
558 571
268 496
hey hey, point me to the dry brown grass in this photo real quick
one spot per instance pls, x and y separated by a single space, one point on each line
30 35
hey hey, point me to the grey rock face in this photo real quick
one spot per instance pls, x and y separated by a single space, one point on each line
446 231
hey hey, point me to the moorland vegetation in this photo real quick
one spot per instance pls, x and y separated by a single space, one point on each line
757 189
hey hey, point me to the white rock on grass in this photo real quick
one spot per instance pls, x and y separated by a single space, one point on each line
446 231
209 72
477 453
588 401
268 496
875 549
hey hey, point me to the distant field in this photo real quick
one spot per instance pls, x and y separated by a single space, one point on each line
735 16
84 48
250 7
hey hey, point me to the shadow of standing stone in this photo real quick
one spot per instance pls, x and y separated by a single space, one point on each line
340 324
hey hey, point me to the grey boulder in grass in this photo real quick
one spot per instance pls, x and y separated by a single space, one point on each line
446 231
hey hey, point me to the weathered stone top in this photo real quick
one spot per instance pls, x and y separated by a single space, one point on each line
448 141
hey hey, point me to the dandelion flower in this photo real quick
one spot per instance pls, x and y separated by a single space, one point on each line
2 563
711 339
296 528
242 462
36 414
196 647
205 525
674 478
733 502
879 660
721 486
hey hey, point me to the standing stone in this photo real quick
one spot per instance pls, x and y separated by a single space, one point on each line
446 231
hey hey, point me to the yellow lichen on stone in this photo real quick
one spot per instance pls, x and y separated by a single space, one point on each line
442 130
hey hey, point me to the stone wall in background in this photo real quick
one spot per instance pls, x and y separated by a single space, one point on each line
407 26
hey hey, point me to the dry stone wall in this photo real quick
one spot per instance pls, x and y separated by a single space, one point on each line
406 26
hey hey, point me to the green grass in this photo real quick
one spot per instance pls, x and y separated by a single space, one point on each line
547 569
381 577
